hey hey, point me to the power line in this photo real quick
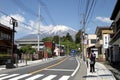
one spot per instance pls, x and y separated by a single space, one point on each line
90 9
87 7
47 11
25 8
30 11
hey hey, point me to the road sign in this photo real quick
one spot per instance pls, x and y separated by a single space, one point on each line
73 52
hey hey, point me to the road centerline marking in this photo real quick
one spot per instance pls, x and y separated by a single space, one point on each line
62 60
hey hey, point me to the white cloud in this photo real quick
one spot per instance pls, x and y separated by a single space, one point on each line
30 28
18 17
104 19
22 29
6 19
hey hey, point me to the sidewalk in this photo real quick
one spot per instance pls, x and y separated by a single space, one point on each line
101 73
115 69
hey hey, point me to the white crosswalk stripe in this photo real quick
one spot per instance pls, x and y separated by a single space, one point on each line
64 78
32 77
50 77
9 76
35 77
19 77
3 75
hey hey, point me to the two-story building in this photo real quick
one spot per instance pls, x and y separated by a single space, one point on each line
114 50
103 38
91 44
5 41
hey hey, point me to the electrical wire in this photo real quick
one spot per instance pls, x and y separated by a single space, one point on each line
24 7
89 11
47 11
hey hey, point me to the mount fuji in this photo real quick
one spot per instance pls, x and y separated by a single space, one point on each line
51 31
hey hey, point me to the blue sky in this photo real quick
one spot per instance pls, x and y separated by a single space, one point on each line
59 12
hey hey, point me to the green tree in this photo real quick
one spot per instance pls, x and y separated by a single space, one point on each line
69 37
56 39
78 37
47 39
27 49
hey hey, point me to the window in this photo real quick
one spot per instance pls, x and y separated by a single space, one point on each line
93 41
5 36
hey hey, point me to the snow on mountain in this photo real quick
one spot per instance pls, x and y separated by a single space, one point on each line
47 31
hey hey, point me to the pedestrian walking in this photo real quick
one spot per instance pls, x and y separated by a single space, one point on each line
92 61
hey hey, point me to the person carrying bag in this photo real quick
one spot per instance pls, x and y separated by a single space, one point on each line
92 61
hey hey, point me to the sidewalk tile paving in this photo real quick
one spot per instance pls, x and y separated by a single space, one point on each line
101 73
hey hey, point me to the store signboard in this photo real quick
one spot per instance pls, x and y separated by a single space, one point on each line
105 40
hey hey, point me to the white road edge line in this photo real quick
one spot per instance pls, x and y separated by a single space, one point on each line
76 68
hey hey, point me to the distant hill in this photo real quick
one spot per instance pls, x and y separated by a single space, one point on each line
51 31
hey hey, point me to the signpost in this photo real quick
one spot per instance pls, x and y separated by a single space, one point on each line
73 53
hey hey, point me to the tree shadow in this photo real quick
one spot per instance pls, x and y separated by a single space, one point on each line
89 76
105 75
93 76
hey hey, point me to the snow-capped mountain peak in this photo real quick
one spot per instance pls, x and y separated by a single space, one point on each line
48 31
58 29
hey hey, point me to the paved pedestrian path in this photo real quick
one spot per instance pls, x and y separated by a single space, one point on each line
101 73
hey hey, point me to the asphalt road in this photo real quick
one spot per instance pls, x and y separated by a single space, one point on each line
61 69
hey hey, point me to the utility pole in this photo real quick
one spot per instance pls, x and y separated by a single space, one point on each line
39 27
15 24
83 37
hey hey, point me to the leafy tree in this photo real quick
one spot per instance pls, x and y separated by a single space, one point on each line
47 39
78 40
56 39
27 49
77 37
69 37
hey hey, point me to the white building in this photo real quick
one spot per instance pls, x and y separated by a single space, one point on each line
91 44
32 42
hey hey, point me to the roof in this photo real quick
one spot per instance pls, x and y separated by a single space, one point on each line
116 10
99 28
29 37
5 27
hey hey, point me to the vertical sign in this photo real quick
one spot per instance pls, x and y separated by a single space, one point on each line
105 40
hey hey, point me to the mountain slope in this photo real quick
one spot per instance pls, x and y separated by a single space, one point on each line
52 31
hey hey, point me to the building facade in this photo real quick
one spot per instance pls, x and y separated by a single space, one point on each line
5 39
91 44
114 49
31 41
5 43
103 38
91 40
